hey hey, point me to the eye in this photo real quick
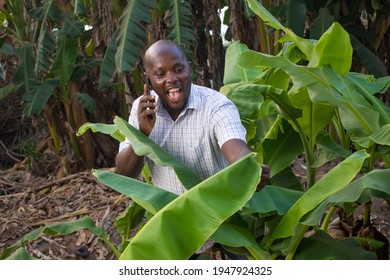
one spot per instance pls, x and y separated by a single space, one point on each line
179 69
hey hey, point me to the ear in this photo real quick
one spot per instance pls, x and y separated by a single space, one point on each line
190 65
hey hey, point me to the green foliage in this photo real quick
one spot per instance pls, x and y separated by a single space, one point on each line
291 104
132 34
365 23
130 38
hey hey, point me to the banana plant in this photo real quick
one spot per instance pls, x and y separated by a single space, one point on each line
279 209
173 232
125 49
306 97
287 103
366 22
51 68
236 217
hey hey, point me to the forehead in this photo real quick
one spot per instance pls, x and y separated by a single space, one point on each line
164 55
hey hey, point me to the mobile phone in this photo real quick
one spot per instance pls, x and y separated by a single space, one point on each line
148 89
149 86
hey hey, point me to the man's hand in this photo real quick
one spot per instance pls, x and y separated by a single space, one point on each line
235 149
147 112
265 175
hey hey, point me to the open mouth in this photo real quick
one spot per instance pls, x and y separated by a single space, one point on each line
174 95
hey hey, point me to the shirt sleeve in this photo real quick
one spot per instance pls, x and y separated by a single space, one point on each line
227 123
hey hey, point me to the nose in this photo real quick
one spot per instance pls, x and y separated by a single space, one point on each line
171 77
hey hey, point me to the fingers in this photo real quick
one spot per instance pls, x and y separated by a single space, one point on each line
265 176
147 105
146 112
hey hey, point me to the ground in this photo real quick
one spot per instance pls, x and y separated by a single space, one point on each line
28 201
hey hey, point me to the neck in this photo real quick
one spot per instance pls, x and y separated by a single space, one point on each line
174 113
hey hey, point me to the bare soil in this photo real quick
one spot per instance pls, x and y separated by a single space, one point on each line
28 202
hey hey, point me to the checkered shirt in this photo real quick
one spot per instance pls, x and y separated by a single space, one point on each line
195 138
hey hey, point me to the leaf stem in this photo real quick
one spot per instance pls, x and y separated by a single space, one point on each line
328 217
296 241
111 246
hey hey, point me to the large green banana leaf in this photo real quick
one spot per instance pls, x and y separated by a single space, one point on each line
232 73
153 199
65 58
371 185
327 87
182 226
296 15
36 99
333 49
335 180
24 74
143 146
272 199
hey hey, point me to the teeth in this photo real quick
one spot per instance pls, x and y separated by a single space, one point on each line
173 90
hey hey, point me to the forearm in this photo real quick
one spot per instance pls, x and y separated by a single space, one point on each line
128 163
234 150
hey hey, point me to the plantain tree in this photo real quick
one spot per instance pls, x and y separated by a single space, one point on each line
80 60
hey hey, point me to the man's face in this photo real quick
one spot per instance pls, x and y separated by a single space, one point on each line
170 76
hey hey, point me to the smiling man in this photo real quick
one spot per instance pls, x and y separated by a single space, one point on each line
197 125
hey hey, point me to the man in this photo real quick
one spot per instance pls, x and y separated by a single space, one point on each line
197 125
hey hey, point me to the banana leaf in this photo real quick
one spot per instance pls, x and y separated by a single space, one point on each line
132 34
327 87
182 226
335 180
272 199
20 254
374 184
304 45
321 246
181 25
108 64
280 150
153 199
234 74
46 14
65 58
110 129
143 146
